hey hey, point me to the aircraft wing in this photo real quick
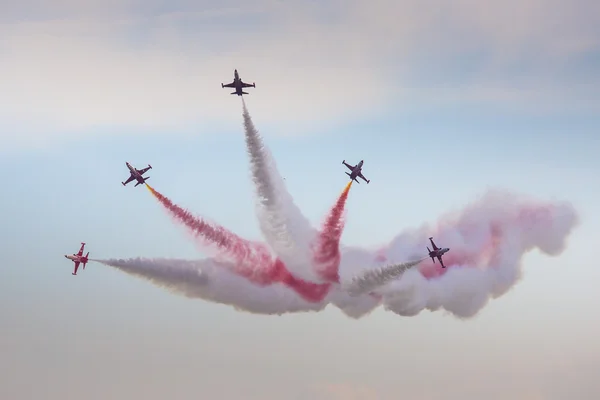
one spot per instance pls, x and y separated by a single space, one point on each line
433 244
131 177
441 262
363 177
143 170
350 167
76 267
80 253
247 85
231 85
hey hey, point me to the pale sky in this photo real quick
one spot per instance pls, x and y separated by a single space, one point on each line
442 100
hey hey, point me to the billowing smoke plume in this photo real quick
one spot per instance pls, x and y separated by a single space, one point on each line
487 241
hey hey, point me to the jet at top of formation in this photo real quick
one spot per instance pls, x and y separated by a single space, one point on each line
356 171
238 84
78 258
437 252
136 174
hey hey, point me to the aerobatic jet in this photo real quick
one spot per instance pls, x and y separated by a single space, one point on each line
238 84
437 252
356 171
78 258
136 174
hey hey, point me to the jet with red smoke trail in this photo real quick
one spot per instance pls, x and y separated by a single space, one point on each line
437 252
136 174
78 258
356 171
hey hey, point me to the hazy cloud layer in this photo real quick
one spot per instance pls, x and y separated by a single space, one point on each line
71 66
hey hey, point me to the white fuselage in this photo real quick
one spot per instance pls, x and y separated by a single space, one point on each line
73 257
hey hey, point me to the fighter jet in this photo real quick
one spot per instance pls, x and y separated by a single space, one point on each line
136 174
238 84
356 171
78 258
437 252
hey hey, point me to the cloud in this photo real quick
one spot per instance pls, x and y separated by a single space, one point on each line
71 67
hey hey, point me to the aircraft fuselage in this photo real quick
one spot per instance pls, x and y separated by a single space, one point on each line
439 252
357 170
133 170
75 258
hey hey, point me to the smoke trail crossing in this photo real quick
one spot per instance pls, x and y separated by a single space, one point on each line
285 229
327 252
251 260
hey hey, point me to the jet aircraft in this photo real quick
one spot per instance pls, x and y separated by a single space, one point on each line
437 252
136 174
78 258
238 84
356 171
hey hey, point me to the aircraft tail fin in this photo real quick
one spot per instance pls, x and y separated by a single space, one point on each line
244 92
143 181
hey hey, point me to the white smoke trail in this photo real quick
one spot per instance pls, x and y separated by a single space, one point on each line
375 278
487 242
212 281
285 229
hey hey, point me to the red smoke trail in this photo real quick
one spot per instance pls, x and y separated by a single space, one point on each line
312 292
327 253
227 242
253 260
